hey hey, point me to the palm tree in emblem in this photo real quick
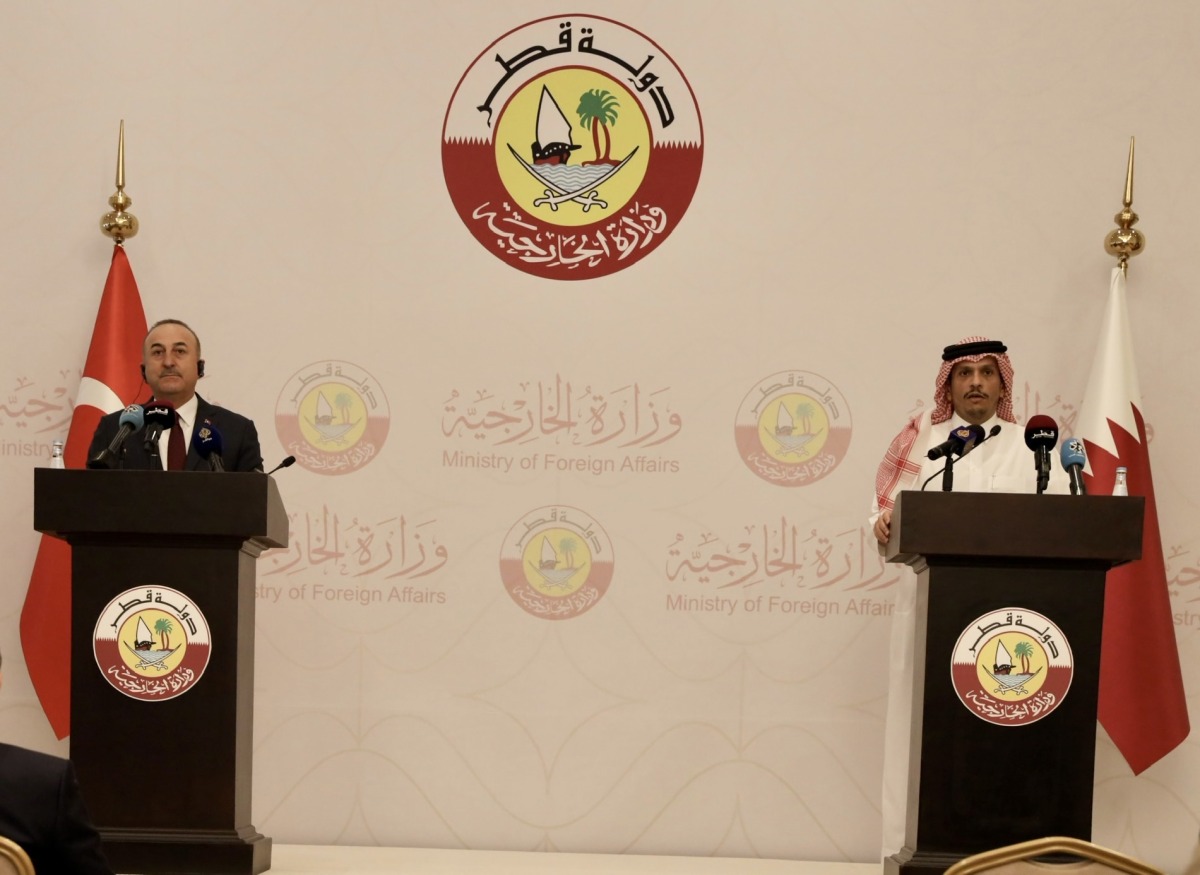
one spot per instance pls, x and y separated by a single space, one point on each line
805 411
547 566
789 441
322 419
344 402
164 628
552 148
567 545
597 110
1023 650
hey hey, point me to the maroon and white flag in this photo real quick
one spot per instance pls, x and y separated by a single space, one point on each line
1142 704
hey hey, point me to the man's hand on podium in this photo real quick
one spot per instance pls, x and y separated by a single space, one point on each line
883 526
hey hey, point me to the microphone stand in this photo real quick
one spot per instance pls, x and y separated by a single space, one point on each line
948 474
948 471
1043 460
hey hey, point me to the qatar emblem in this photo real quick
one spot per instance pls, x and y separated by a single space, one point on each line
152 643
572 147
333 417
793 428
556 562
1012 667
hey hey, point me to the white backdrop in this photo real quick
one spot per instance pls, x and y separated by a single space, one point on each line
879 180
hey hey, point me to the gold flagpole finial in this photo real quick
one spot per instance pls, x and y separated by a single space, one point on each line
118 224
1125 241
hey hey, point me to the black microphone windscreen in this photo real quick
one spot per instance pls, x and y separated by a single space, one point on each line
1041 432
977 435
952 446
290 460
207 440
161 414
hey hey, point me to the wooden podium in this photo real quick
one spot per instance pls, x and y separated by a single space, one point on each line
162 658
991 764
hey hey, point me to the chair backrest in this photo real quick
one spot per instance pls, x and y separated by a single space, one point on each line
1019 859
13 859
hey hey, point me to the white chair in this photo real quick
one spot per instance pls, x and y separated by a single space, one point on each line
13 859
1019 859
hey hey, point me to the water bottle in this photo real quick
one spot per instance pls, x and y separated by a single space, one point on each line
56 455
1121 484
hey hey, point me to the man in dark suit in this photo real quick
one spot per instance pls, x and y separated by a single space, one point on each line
42 810
172 365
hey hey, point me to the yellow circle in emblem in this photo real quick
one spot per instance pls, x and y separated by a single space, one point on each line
616 130
151 642
332 417
793 427
1023 670
556 561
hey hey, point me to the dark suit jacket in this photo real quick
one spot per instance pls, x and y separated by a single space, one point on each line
240 450
41 809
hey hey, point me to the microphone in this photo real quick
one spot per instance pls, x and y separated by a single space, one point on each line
208 443
1041 434
160 416
1073 459
131 420
955 444
977 430
289 461
976 437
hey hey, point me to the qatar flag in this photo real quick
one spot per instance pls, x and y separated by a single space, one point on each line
111 381
1142 704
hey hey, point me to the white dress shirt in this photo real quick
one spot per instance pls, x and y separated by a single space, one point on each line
185 415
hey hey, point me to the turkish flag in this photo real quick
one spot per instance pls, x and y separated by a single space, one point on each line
1142 704
111 381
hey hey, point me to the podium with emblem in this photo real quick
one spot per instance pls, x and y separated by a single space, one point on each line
1010 606
162 658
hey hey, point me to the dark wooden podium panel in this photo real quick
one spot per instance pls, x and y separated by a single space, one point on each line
79 505
974 785
1094 531
168 783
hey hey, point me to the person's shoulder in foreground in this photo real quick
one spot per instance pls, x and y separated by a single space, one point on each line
42 810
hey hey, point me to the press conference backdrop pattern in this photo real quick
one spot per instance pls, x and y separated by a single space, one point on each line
579 557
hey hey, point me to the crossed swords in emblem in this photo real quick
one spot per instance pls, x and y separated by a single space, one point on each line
587 196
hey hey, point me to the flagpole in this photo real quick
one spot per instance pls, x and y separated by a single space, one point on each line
1141 703
118 224
111 380
1125 241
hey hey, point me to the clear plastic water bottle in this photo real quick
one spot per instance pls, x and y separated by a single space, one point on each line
56 455
1121 484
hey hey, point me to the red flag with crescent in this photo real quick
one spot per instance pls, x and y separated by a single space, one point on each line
111 381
